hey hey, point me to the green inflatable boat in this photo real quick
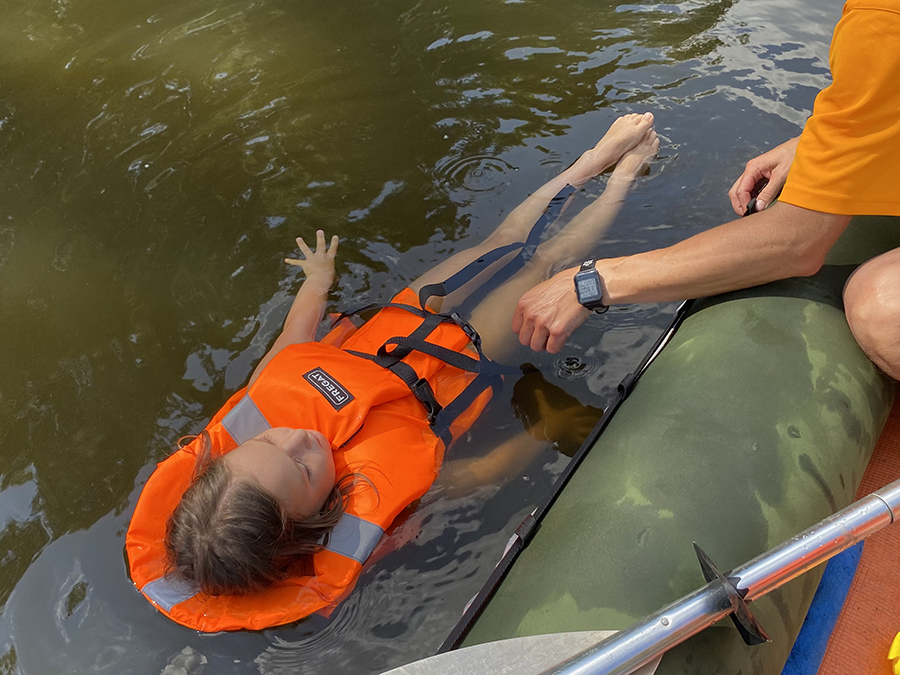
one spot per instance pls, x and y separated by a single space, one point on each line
755 420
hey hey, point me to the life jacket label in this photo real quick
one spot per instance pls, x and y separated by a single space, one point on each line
329 387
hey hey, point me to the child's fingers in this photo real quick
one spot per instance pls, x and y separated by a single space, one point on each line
320 242
304 248
334 246
296 262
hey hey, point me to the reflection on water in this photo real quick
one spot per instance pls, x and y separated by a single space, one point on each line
156 161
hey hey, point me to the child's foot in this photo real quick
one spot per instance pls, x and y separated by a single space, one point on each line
624 134
635 161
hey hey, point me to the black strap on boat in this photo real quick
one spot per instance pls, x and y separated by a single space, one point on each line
530 525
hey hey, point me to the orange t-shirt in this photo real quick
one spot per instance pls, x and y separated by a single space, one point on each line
848 158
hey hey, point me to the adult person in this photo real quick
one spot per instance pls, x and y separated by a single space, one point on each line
843 164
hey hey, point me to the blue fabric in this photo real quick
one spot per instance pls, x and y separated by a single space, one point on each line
809 648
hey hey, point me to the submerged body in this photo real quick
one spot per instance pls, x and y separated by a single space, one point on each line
386 405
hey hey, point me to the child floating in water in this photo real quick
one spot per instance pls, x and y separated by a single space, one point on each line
269 514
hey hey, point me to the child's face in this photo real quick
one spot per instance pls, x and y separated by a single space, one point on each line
295 466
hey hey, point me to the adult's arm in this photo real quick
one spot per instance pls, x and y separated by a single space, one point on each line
308 308
510 458
782 241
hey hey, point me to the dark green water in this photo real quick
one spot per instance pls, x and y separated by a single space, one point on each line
157 160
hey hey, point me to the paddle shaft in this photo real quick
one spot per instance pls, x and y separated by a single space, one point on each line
633 647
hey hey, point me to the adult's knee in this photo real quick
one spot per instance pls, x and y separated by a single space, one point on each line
872 304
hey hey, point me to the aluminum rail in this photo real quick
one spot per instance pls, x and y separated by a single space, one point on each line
633 647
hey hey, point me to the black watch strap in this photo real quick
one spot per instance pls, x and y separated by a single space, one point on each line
588 267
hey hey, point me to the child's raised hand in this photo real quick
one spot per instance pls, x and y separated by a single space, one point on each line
320 263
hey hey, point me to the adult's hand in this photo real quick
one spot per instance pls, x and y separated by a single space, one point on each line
549 313
773 166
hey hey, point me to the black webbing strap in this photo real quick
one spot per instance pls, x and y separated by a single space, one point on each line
407 345
393 360
449 414
467 273
354 312
474 268
417 385
379 306
488 373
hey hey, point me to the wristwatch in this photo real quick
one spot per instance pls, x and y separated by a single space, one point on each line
589 287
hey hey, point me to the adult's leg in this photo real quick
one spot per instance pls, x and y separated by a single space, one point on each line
623 135
872 303
492 318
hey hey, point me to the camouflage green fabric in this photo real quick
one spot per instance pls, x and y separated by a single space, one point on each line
756 421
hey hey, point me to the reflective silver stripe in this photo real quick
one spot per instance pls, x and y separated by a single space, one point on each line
244 421
169 591
354 537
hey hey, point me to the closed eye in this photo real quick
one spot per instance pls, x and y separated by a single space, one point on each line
305 468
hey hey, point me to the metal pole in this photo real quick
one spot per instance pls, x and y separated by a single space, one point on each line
633 647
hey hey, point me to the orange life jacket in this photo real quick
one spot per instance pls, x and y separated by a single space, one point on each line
379 420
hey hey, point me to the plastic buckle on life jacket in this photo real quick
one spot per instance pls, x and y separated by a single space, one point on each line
423 391
468 329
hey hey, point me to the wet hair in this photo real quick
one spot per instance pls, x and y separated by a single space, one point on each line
231 537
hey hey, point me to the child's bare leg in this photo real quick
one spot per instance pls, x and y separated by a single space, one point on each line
492 318
622 136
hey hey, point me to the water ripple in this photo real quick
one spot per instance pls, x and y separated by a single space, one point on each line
478 173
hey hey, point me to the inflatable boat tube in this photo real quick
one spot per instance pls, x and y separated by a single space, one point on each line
756 421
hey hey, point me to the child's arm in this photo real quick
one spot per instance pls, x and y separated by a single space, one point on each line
462 476
568 425
308 308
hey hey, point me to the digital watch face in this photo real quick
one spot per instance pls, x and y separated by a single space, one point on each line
588 288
